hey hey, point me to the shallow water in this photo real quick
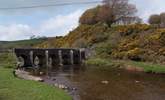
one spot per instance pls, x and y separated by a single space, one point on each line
120 84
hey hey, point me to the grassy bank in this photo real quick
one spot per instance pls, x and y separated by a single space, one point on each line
21 43
7 60
149 67
128 65
12 88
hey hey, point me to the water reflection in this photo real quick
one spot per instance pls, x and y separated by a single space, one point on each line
67 70
122 85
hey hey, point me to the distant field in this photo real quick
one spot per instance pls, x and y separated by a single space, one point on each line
21 43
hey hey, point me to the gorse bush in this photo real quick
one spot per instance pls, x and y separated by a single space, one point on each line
139 42
130 29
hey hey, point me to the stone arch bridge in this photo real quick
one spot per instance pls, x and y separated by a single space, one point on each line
49 57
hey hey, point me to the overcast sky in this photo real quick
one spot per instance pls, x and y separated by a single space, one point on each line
54 21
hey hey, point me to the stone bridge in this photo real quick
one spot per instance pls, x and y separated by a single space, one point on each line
49 57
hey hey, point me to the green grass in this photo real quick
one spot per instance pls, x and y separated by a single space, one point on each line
12 88
102 63
148 67
98 62
21 43
7 60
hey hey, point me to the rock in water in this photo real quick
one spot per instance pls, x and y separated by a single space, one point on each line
41 73
104 82
137 81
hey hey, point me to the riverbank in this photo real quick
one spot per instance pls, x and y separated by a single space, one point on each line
12 88
128 65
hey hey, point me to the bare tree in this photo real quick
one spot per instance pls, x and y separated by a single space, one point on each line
129 20
105 15
119 9
110 12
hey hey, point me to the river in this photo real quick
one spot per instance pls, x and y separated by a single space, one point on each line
94 83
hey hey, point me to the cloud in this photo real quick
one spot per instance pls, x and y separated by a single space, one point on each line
149 7
51 21
47 10
59 25
59 21
14 32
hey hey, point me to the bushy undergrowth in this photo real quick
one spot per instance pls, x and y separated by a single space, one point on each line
99 62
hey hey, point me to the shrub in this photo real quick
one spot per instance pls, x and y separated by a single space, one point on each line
134 54
80 43
104 49
130 29
99 62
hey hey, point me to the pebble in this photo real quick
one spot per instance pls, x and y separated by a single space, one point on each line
41 73
61 86
137 81
104 82
56 85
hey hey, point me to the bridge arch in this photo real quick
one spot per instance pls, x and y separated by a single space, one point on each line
50 57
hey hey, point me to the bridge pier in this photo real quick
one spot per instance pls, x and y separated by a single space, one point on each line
50 61
50 57
47 57
71 57
60 58
80 56
31 58
47 62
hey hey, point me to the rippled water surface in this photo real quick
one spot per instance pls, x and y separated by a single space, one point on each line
95 83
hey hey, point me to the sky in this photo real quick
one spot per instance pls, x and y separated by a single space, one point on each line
21 24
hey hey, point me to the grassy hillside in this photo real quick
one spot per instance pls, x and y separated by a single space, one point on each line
139 42
21 43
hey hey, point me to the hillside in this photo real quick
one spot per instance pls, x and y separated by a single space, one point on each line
138 42
21 43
